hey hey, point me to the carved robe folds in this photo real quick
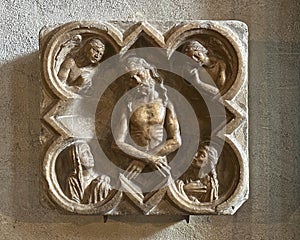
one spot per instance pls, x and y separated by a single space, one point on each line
145 117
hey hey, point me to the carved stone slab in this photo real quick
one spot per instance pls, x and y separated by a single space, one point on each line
145 117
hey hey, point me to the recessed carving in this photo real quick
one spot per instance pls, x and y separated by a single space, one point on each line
200 182
215 67
84 185
144 118
78 66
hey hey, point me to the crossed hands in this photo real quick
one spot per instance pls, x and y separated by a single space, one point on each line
157 162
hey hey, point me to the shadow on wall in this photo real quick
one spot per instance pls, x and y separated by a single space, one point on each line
23 96
20 186
22 191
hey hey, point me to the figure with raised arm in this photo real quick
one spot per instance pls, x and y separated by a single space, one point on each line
215 67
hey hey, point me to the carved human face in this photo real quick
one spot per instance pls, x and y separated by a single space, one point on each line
94 53
85 156
201 157
141 77
196 54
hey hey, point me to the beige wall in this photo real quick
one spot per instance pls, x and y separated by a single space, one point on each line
272 212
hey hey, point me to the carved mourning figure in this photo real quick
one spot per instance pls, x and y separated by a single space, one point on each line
84 185
146 113
200 182
215 67
78 67
135 114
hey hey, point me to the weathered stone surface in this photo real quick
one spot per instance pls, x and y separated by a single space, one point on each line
272 211
112 84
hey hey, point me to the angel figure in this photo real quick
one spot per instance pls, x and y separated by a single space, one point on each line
78 66
215 67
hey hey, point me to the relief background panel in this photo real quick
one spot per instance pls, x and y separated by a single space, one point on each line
272 211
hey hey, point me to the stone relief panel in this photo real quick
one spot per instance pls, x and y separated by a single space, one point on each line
145 117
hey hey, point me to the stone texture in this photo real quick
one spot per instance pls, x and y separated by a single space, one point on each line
80 110
272 211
